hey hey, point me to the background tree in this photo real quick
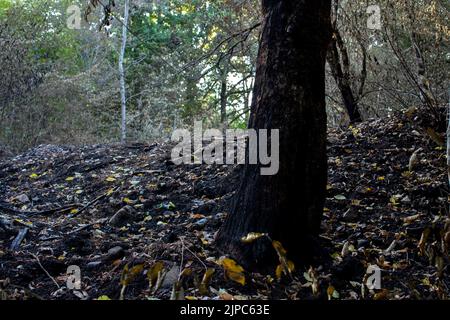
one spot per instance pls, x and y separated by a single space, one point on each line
123 92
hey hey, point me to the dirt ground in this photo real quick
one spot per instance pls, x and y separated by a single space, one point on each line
129 218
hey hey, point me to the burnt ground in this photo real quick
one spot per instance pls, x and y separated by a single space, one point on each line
128 212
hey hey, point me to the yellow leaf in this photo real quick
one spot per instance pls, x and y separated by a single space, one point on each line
233 271
127 200
128 275
290 266
26 223
186 272
426 282
110 179
34 176
204 285
279 271
381 178
70 179
252 237
279 248
154 273
287 266
103 298
330 292
79 191
393 200
74 211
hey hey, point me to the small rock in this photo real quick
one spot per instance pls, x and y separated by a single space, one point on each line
363 243
114 253
171 277
93 264
23 198
122 217
201 222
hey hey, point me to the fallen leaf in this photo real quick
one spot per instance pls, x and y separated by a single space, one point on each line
128 275
411 219
154 273
233 271
204 285
252 237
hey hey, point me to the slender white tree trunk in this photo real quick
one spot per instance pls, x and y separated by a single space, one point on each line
123 96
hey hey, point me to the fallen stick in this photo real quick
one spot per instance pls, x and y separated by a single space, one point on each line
107 193
9 209
18 239
43 269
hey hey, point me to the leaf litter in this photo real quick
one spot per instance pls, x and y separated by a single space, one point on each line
139 227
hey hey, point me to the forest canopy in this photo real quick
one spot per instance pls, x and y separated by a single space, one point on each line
186 60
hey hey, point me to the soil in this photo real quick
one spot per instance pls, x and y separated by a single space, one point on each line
119 211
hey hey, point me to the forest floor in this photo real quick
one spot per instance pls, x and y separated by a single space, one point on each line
128 218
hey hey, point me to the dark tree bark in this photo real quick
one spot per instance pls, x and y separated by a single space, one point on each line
289 95
342 80
223 98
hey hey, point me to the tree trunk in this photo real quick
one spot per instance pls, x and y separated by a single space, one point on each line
339 62
123 97
289 95
343 82
223 98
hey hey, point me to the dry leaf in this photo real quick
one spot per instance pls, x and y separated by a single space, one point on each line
233 271
204 285
252 237
411 219
154 273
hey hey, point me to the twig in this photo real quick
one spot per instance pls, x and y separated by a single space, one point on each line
182 258
18 240
107 193
190 251
9 209
46 272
